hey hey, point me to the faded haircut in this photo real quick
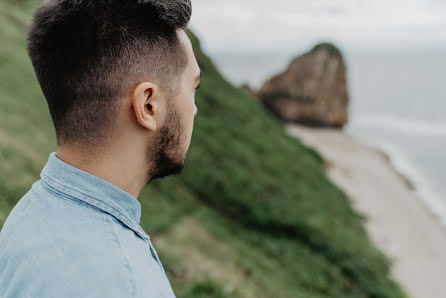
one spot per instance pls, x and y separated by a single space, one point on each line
88 54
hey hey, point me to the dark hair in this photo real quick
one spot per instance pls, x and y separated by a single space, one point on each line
87 54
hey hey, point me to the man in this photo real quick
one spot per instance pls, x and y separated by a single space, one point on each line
119 78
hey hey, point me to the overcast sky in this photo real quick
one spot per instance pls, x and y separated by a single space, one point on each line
281 25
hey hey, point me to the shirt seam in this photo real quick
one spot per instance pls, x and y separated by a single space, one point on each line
53 180
125 259
63 195
72 199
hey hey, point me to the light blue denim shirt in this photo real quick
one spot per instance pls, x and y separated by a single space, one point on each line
74 234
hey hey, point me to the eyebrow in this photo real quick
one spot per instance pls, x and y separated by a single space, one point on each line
200 75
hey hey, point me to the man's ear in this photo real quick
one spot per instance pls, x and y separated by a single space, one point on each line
148 105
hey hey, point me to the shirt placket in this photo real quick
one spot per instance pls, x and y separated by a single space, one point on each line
151 247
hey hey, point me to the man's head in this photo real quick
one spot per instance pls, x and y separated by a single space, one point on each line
116 71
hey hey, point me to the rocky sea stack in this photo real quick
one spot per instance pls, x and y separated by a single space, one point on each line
312 91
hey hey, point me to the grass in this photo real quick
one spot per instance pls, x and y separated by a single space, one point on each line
271 216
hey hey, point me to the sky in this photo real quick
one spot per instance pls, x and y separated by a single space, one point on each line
282 25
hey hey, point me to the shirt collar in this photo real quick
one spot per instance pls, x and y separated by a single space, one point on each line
93 190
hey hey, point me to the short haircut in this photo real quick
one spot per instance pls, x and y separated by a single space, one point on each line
88 54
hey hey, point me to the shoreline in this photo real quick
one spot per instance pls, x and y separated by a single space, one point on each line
408 181
399 221
414 181
405 179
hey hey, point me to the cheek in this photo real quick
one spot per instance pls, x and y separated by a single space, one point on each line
188 112
191 105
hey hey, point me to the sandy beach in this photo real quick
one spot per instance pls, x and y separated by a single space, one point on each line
398 221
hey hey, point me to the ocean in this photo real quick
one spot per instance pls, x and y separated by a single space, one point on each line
397 103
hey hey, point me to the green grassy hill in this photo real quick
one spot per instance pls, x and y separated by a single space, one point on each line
252 214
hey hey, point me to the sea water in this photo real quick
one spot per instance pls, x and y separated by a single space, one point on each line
397 103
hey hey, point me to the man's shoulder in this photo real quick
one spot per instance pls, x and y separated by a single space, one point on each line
63 269
52 221
40 213
60 248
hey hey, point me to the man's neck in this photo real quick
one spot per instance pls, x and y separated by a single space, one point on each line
115 170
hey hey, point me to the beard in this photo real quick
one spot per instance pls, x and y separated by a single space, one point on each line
163 153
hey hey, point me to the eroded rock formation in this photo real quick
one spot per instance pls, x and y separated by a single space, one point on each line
312 91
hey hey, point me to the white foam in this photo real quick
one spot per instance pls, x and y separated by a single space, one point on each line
404 125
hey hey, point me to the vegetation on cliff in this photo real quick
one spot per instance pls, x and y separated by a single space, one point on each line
252 214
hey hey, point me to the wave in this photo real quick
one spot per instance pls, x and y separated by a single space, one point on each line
404 125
